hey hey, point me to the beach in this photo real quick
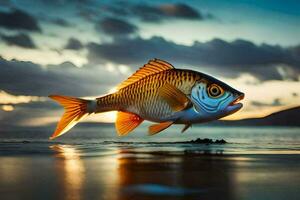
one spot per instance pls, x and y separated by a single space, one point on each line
140 169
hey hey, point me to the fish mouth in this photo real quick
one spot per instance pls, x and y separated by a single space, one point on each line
237 100
235 105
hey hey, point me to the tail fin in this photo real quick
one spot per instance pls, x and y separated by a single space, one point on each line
75 109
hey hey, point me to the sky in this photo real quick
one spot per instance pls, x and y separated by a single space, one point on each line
86 47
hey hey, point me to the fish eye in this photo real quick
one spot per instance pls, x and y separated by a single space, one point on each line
215 91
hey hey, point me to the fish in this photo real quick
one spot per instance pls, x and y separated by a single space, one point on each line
157 92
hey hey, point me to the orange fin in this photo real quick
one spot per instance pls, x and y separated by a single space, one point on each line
75 110
176 99
152 67
156 128
186 126
126 122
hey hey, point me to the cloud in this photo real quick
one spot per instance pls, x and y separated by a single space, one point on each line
61 22
115 26
18 20
73 44
227 58
6 98
7 108
21 40
157 13
295 94
6 3
276 102
20 113
27 78
25 85
179 10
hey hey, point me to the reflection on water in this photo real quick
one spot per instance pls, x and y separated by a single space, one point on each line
134 173
71 169
86 177
154 171
11 170
143 175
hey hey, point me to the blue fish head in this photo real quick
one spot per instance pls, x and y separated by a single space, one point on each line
213 99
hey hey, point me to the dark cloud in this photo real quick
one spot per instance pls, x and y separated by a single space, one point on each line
116 26
18 20
157 13
88 15
6 3
120 9
61 22
148 13
295 94
73 44
227 58
276 102
180 10
21 40
56 3
27 78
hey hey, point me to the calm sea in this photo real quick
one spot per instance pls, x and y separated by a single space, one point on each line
240 139
93 163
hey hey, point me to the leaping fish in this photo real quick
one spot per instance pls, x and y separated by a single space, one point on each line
160 93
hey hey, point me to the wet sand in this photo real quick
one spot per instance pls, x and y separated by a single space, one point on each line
128 171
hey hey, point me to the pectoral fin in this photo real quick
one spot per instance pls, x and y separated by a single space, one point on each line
176 98
126 122
186 126
156 128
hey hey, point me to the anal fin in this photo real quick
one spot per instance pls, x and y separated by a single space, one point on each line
156 128
126 122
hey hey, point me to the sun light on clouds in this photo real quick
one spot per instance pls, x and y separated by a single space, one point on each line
7 108
116 68
6 98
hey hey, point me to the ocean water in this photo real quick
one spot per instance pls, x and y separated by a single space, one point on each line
93 163
241 140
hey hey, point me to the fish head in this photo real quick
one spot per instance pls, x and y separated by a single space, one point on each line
214 99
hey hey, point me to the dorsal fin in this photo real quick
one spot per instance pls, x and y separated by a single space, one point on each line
152 67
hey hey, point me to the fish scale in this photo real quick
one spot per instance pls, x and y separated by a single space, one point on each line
142 97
